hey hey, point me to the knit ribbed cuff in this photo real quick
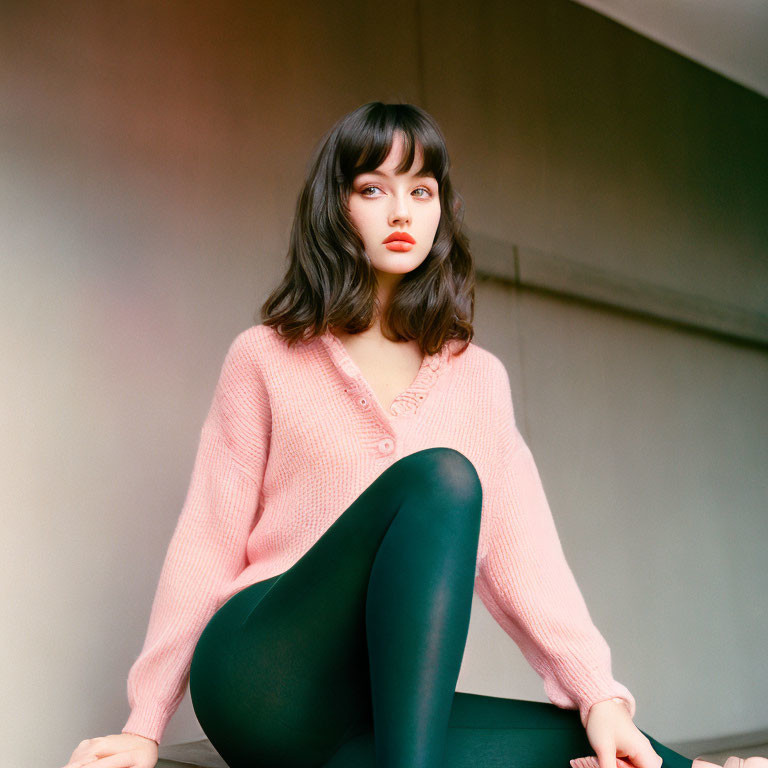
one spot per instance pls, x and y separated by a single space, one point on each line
148 721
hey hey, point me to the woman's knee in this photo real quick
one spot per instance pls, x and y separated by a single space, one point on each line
446 470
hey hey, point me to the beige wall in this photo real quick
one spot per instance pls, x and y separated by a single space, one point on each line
150 162
651 444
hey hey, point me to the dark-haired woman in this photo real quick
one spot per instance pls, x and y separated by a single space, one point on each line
359 474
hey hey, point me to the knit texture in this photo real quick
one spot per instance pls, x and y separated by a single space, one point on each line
291 439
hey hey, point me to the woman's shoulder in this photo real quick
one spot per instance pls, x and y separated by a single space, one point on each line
249 353
477 359
259 342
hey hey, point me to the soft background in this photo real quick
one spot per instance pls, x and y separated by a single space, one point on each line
616 203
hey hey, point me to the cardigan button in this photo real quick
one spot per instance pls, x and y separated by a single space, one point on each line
386 445
364 403
434 363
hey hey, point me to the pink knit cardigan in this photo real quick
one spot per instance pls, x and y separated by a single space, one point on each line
291 439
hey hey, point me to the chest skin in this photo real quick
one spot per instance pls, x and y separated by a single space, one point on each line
389 368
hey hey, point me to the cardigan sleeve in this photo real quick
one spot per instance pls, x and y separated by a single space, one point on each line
525 582
208 546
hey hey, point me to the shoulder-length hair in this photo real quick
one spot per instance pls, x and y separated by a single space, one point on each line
330 282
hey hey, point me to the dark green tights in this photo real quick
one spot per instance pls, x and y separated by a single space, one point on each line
349 659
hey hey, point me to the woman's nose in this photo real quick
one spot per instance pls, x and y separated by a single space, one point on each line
400 210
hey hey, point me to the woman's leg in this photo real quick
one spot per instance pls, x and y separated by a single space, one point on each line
370 625
367 629
492 732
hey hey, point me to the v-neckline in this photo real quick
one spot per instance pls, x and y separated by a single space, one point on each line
406 401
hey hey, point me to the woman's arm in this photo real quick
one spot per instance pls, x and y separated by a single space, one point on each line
525 581
207 548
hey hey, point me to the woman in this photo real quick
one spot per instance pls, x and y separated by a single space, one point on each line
359 474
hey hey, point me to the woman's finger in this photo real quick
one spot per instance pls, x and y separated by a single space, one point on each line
120 760
85 753
643 755
80 762
606 756
650 759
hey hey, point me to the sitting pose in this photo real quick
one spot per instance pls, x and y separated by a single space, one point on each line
359 474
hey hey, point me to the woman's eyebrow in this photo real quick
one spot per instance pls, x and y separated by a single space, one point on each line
428 175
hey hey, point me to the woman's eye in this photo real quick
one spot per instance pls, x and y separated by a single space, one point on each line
364 190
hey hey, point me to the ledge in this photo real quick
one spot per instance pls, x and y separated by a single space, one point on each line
202 753
550 273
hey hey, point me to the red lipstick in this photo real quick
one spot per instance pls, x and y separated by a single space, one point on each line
401 236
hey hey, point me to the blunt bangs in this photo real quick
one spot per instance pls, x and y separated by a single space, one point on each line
365 142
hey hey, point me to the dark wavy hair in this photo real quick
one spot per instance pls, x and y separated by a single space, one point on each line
330 282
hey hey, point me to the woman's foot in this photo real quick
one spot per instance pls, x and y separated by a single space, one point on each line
733 762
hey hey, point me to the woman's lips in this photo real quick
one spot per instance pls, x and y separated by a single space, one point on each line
398 245
403 236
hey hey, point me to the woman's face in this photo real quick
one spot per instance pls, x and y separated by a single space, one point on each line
382 204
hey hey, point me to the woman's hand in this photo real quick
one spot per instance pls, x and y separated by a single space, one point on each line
120 750
612 734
